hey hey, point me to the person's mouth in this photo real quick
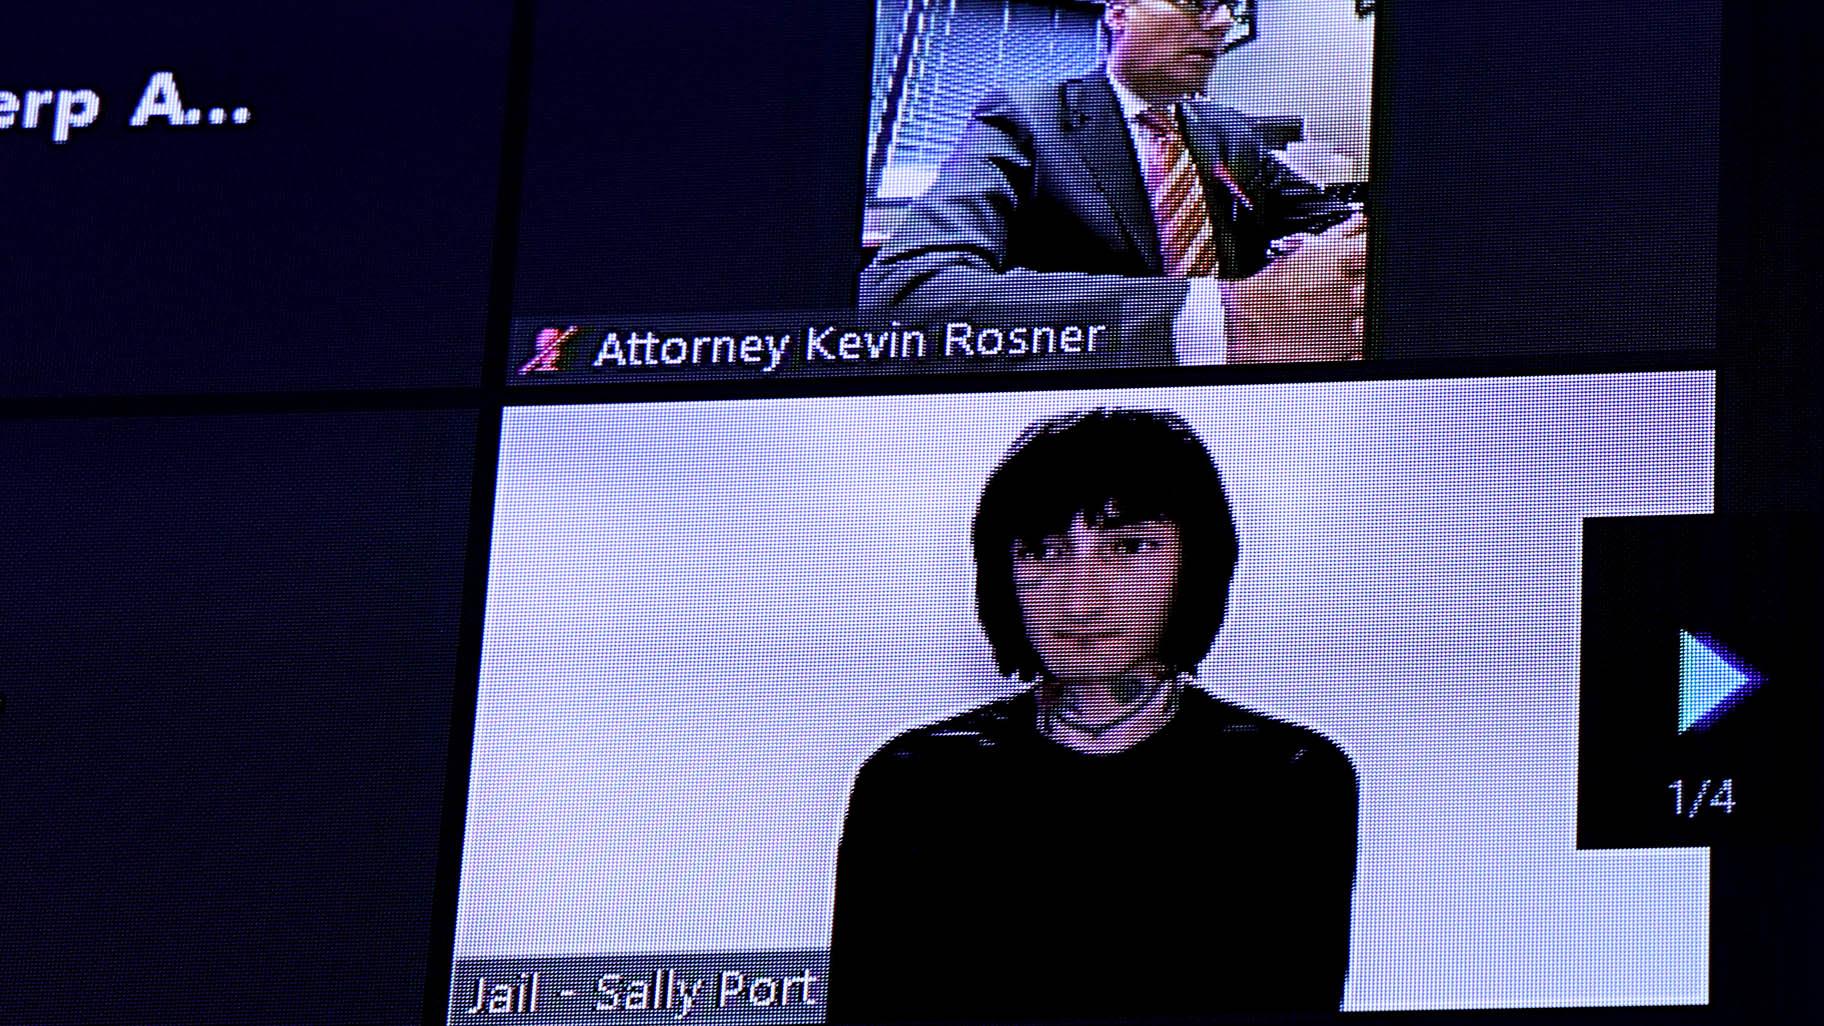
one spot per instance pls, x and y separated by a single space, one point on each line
1086 638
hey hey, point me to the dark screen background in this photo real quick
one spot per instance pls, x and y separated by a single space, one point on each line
339 240
703 156
1540 172
229 655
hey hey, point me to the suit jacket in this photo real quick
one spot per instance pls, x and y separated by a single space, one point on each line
988 874
1042 207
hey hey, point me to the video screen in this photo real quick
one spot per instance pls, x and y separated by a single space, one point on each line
915 187
910 511
956 707
1051 184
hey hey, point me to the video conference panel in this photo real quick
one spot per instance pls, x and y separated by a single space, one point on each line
952 185
718 633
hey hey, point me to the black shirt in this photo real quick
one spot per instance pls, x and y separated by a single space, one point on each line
987 872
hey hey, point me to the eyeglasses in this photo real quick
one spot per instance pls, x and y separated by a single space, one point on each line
1201 9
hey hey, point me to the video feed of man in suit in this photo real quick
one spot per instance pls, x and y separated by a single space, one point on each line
1126 189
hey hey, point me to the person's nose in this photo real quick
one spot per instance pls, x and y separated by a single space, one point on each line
1089 589
1218 20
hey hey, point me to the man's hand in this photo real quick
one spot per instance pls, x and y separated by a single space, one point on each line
1307 304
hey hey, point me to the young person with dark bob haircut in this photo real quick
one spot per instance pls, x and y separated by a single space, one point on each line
1113 841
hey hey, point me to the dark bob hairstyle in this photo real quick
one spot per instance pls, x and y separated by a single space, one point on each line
1113 467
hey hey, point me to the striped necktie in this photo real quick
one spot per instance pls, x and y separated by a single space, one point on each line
1187 245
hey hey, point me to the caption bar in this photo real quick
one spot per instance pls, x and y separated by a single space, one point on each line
600 351
775 987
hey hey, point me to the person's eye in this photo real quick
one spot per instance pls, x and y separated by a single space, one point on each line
1134 546
1040 552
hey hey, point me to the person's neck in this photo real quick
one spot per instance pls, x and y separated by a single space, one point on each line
1104 717
1154 95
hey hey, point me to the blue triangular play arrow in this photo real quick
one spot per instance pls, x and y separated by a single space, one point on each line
1711 681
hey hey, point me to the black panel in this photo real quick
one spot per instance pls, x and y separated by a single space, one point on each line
707 156
338 238
1546 177
1661 592
228 665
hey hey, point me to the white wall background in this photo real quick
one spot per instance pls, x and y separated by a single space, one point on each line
702 617
1313 59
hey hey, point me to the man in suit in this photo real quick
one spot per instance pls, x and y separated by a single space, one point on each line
1121 195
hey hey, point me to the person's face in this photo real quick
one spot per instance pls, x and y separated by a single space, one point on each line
1095 599
1162 49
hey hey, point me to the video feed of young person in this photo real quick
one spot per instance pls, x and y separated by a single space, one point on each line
1088 704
